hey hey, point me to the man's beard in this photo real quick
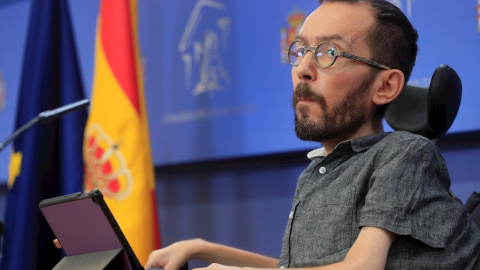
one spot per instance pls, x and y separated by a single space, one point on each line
342 121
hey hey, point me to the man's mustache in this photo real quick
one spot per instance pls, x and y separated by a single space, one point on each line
304 91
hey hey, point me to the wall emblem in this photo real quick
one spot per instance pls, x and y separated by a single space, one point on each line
287 34
478 17
105 166
203 46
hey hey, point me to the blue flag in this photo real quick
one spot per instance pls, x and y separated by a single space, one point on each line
47 159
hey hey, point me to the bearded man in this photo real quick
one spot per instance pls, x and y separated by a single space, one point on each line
368 199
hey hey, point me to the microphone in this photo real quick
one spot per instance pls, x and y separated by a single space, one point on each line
45 117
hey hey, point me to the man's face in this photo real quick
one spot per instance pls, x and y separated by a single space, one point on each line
334 103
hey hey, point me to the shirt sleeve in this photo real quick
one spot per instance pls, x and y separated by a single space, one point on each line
409 193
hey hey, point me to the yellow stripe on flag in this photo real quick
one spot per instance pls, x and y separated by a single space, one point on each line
117 148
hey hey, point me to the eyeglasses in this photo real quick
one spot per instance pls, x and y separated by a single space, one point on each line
324 54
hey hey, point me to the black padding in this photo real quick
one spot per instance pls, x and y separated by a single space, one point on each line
473 207
428 111
472 202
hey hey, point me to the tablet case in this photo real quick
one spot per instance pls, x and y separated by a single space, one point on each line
88 233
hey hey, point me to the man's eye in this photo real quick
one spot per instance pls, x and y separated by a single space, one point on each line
300 52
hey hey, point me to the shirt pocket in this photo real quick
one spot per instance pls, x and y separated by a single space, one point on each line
322 224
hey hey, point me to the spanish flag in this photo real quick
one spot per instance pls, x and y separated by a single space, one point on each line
116 147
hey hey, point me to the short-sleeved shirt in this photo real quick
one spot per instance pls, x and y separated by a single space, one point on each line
397 181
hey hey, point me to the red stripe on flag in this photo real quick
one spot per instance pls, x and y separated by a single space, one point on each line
117 39
156 234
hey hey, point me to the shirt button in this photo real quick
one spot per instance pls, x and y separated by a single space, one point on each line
322 170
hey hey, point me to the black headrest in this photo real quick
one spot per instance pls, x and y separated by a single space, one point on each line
427 111
473 207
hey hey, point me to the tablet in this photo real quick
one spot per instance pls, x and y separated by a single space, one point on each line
83 224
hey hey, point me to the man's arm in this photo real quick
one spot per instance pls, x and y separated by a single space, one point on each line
175 255
369 251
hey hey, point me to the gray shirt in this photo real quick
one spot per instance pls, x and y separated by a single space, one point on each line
397 181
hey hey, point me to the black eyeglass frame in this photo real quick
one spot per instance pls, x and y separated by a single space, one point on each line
336 53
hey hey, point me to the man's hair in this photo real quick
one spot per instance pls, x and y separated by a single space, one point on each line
392 40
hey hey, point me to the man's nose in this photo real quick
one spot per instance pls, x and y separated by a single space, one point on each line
306 69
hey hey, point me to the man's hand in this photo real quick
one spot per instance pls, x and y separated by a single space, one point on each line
174 256
57 244
369 251
217 266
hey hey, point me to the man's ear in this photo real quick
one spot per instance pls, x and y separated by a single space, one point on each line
393 81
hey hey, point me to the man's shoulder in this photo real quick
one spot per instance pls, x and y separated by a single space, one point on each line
402 137
389 140
403 143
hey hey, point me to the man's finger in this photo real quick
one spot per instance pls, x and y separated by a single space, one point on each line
57 244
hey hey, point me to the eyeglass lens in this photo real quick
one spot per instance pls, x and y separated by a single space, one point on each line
323 55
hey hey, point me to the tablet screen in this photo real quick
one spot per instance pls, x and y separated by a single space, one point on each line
83 224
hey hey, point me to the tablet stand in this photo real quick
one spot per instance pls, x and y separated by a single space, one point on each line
109 259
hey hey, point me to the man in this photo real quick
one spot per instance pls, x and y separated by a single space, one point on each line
368 200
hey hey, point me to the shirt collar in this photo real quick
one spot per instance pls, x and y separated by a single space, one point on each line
358 145
319 152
